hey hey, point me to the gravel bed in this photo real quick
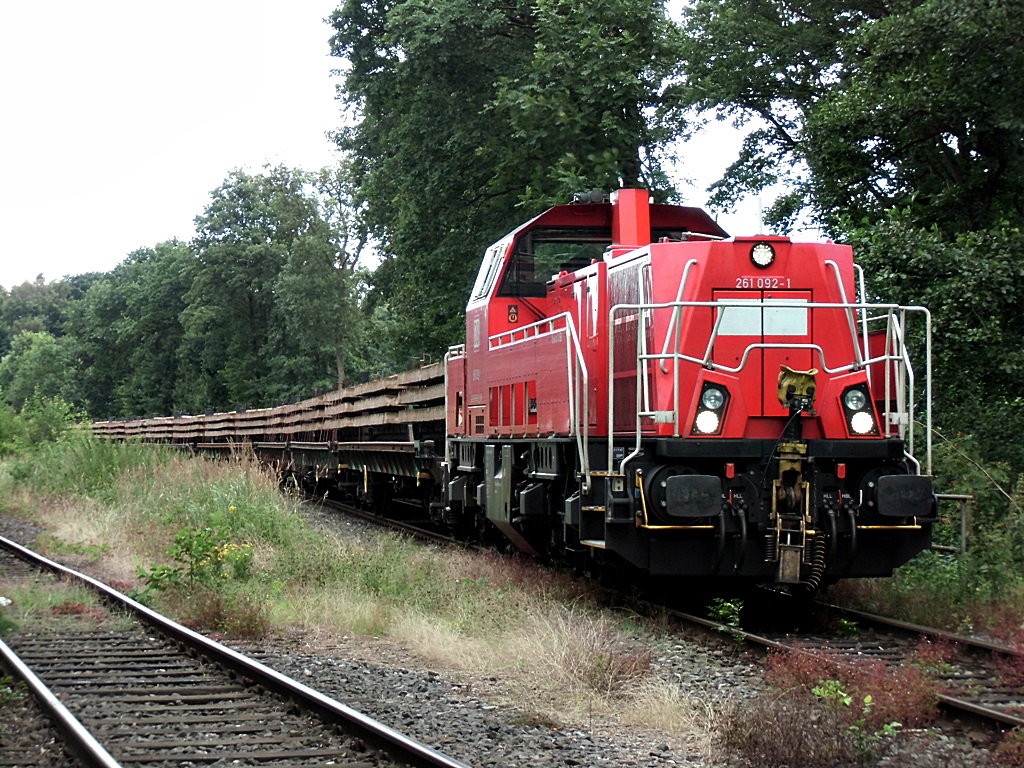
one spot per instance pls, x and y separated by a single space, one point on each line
477 719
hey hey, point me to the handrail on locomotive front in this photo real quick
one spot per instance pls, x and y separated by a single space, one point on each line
895 351
578 383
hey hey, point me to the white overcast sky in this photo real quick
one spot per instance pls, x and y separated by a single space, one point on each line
119 117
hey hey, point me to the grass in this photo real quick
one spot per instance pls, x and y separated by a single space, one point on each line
164 526
45 604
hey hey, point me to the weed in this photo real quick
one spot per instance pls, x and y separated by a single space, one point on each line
811 717
786 727
238 615
590 653
54 546
121 586
726 612
73 608
847 628
1010 752
6 625
901 694
933 656
11 691
864 741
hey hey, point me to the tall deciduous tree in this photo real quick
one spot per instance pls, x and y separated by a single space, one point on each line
270 304
124 332
37 306
37 363
465 111
316 302
242 245
865 106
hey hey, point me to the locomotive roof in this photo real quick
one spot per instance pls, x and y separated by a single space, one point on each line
599 215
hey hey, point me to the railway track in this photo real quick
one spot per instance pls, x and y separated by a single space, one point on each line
972 673
157 694
976 678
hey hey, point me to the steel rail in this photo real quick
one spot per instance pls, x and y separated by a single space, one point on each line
78 742
400 747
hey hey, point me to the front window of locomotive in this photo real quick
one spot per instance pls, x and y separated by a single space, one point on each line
542 254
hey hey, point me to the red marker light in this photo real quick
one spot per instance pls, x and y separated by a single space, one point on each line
730 471
840 471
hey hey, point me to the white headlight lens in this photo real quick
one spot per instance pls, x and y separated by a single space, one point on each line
862 422
713 398
855 399
762 255
707 422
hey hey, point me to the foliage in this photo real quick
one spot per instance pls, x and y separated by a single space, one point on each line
825 712
11 691
866 106
38 307
902 694
205 555
6 625
463 110
1010 752
865 742
271 310
42 420
972 285
81 465
726 611
128 331
37 363
790 727
13 433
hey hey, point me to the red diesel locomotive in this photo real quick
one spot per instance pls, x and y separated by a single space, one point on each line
637 387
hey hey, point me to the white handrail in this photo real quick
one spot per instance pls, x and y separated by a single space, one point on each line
895 351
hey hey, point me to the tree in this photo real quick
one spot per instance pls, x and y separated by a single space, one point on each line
861 107
37 364
154 282
971 284
471 117
316 289
38 306
127 331
270 300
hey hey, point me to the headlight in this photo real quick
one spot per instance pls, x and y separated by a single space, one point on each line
860 416
711 408
855 399
862 423
713 398
762 255
707 422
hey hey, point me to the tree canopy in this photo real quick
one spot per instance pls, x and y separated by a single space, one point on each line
469 117
863 107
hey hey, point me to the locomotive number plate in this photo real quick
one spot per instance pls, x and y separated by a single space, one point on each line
748 281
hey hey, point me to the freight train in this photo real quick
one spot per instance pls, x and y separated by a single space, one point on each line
639 390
